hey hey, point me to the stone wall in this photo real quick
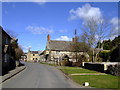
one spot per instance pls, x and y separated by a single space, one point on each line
114 70
107 67
94 66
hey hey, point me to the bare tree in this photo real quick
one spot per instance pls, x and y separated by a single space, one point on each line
16 49
95 31
18 53
84 46
78 46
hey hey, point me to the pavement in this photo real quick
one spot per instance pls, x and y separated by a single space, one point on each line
11 73
40 76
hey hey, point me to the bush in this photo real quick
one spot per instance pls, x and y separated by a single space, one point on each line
99 59
76 64
81 58
65 63
114 70
73 64
114 55
104 55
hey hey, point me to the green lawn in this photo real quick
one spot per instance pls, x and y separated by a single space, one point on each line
97 81
72 70
48 64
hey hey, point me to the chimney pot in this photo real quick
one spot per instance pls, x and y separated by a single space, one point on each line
48 37
73 39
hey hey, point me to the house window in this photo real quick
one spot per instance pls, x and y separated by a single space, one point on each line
5 57
36 58
33 54
6 40
33 58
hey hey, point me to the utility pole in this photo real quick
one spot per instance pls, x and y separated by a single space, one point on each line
75 34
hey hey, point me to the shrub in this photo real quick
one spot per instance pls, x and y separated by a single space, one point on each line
104 55
65 63
99 59
73 64
114 55
114 70
78 64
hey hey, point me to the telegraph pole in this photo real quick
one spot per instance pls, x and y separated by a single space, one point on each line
76 44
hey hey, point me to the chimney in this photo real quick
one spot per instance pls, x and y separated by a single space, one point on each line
76 39
48 37
73 40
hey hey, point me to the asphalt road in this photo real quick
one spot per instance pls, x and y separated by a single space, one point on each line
39 76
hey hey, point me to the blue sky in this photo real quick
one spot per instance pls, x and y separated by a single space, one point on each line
33 21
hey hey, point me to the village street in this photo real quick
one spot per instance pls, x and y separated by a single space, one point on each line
39 76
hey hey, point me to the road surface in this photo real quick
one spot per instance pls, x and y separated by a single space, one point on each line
39 76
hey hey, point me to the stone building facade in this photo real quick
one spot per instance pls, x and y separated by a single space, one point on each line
33 56
57 50
8 61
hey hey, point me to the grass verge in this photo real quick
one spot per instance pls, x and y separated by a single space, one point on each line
72 70
97 81
48 64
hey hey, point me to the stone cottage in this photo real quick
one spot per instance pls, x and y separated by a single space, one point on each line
57 50
7 61
33 56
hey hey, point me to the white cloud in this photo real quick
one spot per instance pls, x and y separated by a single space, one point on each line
39 29
115 22
113 37
64 38
85 12
115 27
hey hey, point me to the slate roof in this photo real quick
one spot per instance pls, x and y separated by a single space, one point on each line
34 52
4 32
59 45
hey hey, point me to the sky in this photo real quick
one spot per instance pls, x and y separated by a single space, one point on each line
31 22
